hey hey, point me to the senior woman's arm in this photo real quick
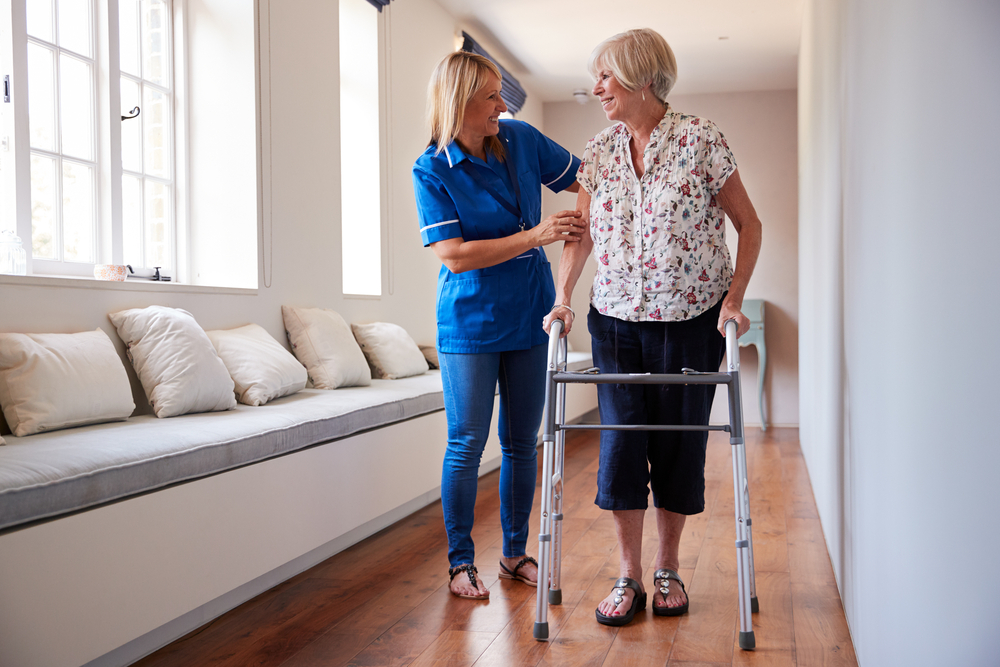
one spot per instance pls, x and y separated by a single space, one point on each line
571 262
736 203
460 255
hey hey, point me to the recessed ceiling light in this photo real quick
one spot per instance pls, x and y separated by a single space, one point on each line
580 95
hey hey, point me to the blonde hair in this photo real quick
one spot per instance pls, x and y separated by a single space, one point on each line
453 84
636 58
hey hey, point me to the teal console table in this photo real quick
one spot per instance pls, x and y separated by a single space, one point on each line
754 310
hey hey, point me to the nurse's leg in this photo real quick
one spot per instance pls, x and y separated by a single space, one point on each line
469 381
522 397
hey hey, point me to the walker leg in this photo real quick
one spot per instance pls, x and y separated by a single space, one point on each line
741 491
555 588
541 630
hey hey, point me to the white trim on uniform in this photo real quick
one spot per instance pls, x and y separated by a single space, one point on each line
563 172
438 224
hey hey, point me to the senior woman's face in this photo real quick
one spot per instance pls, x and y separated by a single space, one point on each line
618 103
482 113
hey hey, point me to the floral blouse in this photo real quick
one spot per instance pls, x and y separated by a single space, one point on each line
660 241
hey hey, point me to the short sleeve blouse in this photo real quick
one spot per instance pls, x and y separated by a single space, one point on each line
660 241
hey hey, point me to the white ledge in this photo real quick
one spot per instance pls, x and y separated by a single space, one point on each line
134 285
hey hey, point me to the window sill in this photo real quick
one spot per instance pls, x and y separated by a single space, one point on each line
134 285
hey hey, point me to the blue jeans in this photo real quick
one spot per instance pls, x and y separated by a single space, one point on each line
672 463
469 382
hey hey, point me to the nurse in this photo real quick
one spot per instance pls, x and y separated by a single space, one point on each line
478 193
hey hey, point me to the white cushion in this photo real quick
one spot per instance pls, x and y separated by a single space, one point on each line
175 361
261 368
323 342
390 351
53 381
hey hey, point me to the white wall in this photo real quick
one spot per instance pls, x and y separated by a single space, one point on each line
761 130
905 94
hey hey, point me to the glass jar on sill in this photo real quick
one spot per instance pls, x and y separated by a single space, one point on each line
12 257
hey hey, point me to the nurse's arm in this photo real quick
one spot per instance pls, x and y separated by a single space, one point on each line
460 255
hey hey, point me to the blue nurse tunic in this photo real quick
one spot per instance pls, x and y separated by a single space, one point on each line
498 308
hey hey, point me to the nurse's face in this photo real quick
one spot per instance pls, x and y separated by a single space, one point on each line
482 113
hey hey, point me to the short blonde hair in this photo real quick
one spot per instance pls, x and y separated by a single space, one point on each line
453 84
636 58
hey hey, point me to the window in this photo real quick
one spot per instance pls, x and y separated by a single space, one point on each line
360 141
101 191
87 181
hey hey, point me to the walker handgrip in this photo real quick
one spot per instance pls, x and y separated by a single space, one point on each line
732 345
555 332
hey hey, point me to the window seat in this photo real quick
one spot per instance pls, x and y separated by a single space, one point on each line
119 538
55 473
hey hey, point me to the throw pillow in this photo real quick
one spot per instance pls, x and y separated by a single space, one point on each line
261 368
322 341
390 351
53 381
175 361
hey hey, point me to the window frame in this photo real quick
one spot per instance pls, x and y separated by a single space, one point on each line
108 244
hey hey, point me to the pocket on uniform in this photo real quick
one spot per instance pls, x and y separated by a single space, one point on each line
467 308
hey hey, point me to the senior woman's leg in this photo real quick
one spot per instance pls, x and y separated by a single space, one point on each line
522 396
469 381
677 459
623 471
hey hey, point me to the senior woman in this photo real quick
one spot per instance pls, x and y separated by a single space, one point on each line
478 192
655 188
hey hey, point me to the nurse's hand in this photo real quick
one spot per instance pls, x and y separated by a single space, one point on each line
563 226
559 313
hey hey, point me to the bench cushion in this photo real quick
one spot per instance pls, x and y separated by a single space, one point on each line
49 474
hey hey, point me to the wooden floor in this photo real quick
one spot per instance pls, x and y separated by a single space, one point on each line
385 601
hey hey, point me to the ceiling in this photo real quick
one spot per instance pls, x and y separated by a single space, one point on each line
720 45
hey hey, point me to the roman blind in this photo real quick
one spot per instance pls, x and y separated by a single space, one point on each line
511 91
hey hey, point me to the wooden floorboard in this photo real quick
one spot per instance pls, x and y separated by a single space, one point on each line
385 603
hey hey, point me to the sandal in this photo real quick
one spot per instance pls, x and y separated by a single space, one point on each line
512 574
661 582
470 570
638 603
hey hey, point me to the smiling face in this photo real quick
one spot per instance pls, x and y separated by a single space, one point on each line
482 113
618 103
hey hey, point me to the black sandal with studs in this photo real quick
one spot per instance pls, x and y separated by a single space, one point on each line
470 570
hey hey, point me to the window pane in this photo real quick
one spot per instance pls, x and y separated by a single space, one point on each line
157 231
155 124
40 19
131 129
154 42
132 220
75 26
128 37
78 212
360 174
43 207
42 97
76 107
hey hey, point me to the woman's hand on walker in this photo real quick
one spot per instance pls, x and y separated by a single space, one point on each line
559 313
563 226
731 311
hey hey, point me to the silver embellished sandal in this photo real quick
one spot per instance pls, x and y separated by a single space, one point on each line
661 582
638 603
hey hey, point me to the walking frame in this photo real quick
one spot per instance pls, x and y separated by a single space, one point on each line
553 438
